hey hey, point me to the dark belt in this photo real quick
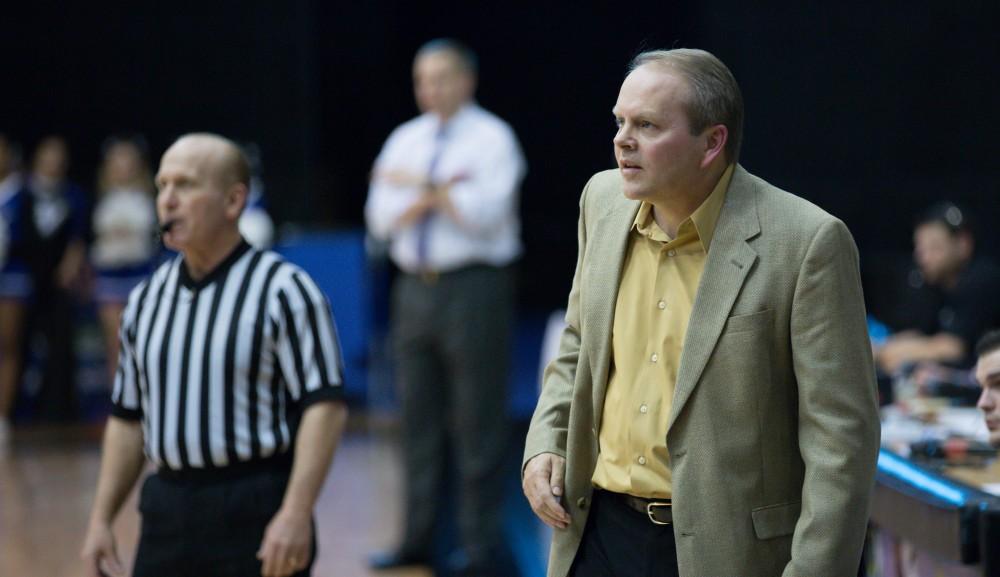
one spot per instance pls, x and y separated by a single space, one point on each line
281 462
659 511
429 276
432 277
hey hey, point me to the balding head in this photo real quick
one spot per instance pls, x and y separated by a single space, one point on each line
221 158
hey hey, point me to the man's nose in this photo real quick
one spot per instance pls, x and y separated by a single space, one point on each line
985 402
167 197
623 139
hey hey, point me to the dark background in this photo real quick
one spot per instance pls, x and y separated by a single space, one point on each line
871 111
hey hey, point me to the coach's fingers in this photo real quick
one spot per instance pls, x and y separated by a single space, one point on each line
544 487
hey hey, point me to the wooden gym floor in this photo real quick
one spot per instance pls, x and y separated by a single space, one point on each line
47 485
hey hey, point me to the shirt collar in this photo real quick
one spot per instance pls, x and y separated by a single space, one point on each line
456 119
220 270
703 220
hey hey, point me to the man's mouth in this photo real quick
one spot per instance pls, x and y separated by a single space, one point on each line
628 166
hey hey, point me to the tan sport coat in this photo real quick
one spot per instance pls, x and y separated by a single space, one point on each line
774 431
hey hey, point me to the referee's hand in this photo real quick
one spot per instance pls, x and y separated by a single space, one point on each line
99 554
287 543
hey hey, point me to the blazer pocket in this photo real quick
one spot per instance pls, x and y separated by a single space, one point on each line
750 322
776 520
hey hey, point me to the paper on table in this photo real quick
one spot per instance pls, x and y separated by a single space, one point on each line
992 488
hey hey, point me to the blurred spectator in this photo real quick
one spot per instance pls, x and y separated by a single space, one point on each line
988 377
444 194
54 217
255 224
951 298
14 283
3 241
56 229
9 183
124 223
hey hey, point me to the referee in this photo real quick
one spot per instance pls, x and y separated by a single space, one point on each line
229 379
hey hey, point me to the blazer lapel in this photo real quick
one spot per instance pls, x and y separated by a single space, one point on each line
609 243
729 260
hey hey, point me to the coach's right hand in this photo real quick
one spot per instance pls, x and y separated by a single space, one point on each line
543 486
99 554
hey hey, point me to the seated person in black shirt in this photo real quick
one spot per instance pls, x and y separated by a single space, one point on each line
951 297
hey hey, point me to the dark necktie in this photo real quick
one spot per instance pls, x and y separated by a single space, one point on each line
424 224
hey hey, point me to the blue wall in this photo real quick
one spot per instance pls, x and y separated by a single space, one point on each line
336 261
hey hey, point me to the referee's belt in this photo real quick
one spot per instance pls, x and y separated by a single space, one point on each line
281 462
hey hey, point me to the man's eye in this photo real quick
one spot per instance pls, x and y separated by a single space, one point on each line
619 122
645 124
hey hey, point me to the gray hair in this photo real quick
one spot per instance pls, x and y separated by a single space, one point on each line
988 343
467 60
715 97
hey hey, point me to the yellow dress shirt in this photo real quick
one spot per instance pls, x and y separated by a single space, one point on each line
655 298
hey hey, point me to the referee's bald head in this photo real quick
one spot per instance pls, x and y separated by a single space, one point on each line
222 158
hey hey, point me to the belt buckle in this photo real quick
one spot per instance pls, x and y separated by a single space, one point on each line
429 276
652 515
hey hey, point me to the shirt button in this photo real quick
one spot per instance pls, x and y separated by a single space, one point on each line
642 460
643 409
655 357
661 305
672 253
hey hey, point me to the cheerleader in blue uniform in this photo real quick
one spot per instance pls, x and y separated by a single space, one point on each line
53 219
15 283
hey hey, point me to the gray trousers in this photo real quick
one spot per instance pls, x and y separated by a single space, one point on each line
452 341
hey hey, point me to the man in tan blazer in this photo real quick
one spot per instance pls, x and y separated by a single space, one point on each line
712 410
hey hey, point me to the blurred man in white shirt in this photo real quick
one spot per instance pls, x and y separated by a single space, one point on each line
444 194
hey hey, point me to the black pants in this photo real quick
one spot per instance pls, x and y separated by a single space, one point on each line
52 317
452 337
208 526
621 542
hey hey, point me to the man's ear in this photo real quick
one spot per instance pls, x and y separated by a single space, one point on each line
470 87
236 200
716 138
966 244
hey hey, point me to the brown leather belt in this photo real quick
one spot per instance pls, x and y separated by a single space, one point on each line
429 276
659 511
433 277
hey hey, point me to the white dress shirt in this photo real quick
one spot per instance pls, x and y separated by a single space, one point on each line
481 154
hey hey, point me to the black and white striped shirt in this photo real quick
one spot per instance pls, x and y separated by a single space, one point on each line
219 369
